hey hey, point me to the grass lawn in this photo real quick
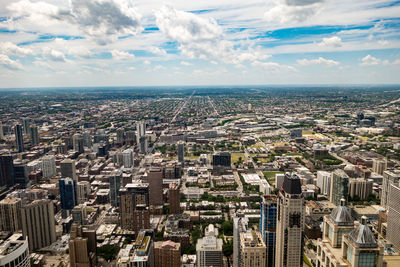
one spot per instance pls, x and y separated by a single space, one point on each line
192 157
235 157
306 132
258 145
268 175
263 160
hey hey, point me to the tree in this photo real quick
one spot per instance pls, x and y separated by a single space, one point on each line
227 248
227 228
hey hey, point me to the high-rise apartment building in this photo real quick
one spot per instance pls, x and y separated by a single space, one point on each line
379 165
324 182
49 166
14 251
19 138
268 226
87 139
339 186
68 169
10 214
209 248
140 130
83 188
34 135
240 225
181 152
38 223
7 175
393 217
77 142
222 159
174 199
120 136
26 123
134 208
143 144
155 180
252 249
290 223
127 158
115 184
360 188
389 178
167 254
82 247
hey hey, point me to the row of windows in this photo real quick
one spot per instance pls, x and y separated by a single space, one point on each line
21 259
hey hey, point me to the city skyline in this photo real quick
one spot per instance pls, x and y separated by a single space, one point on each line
56 43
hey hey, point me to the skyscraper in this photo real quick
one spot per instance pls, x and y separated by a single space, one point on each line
240 225
268 227
68 193
252 249
34 135
77 141
21 173
290 223
49 166
87 139
174 199
155 180
120 136
135 197
10 214
19 139
26 123
83 191
7 176
140 130
339 186
181 152
38 223
127 158
115 184
324 182
68 168
389 178
209 248
82 247
143 144
393 218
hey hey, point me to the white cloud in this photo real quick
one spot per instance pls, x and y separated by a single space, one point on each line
9 48
157 51
214 62
122 55
7 62
333 41
185 63
369 60
396 62
318 61
43 65
53 55
292 11
272 66
146 62
158 67
383 42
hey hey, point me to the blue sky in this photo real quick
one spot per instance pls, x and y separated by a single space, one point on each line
133 43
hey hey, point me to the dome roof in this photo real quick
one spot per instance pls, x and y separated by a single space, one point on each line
342 215
349 167
362 236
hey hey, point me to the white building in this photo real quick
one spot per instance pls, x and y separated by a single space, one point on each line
209 249
127 158
49 166
324 182
84 190
14 252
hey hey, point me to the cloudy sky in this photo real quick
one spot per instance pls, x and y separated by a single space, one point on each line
207 42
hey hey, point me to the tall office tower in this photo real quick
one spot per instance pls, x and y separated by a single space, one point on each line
268 226
141 218
335 225
360 247
77 141
82 247
14 251
115 184
68 193
393 217
49 169
34 135
167 254
68 169
140 130
240 225
130 137
19 139
87 139
339 186
174 199
21 174
290 223
155 180
128 158
79 214
324 182
120 136
379 165
38 223
7 176
143 144
181 152
10 214
26 123
222 159
252 249
389 178
1 131
134 196
209 249
360 188
84 190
